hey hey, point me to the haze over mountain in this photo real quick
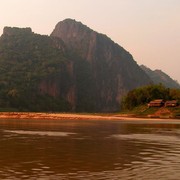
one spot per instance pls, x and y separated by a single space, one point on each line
158 76
75 69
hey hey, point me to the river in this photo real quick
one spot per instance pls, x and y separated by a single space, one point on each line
89 149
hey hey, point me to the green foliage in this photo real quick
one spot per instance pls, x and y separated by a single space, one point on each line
144 95
25 60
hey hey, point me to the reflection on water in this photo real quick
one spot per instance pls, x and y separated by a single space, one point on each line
42 149
40 133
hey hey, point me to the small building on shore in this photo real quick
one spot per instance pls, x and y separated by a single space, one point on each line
156 103
173 103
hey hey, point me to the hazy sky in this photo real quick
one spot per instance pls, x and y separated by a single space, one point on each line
148 29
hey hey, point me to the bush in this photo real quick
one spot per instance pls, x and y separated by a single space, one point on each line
145 94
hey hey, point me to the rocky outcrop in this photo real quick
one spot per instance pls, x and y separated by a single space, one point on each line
9 31
113 69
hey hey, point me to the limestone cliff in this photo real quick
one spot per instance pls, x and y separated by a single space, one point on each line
113 69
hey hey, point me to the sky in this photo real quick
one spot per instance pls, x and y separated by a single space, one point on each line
148 29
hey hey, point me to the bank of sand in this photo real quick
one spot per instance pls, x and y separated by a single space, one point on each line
68 116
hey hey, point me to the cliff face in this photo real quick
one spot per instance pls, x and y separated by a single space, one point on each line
61 85
158 76
113 70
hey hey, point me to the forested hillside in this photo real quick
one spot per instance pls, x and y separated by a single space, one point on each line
25 60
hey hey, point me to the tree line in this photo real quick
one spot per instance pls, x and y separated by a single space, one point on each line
145 94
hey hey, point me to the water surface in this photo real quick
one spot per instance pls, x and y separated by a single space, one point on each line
72 149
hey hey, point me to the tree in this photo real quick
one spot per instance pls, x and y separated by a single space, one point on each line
145 94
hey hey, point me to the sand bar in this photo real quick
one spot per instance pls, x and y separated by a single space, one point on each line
70 116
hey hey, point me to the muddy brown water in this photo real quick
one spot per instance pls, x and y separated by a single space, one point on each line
98 149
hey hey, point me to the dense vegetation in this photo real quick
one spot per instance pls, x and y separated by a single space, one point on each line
27 59
144 95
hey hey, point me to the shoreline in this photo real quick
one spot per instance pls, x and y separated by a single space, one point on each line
74 116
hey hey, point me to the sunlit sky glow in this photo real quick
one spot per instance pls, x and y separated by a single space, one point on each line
148 29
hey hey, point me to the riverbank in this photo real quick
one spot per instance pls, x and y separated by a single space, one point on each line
60 116
71 116
143 111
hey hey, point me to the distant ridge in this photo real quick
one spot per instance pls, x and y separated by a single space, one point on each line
158 76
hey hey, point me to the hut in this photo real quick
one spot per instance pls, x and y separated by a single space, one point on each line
172 103
156 103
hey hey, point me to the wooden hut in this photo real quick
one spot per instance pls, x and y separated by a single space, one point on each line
156 103
172 103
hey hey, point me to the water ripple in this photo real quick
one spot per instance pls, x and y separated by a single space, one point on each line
149 138
103 151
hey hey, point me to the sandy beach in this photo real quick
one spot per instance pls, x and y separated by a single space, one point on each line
69 116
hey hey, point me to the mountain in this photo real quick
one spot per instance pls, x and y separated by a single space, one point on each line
113 69
74 69
158 76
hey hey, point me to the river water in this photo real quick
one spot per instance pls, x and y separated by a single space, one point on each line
89 149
